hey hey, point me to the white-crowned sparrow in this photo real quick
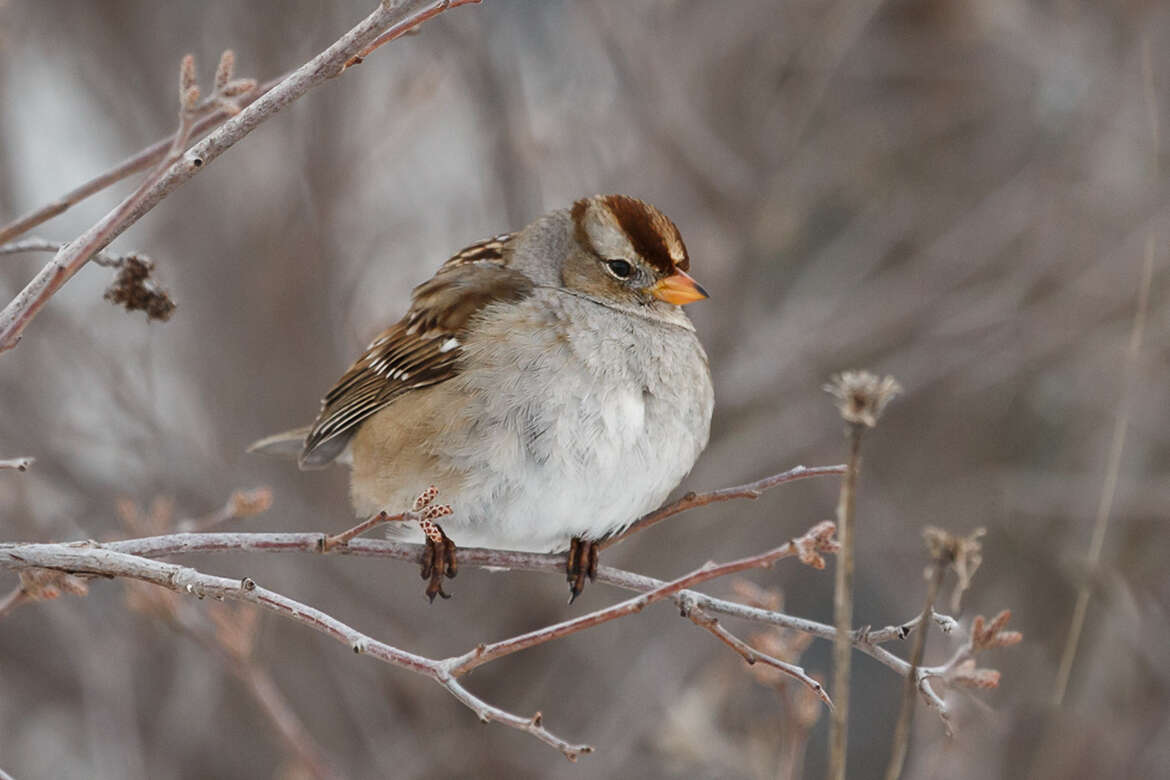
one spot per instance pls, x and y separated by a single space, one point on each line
545 381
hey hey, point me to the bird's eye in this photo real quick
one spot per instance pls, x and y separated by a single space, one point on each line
619 268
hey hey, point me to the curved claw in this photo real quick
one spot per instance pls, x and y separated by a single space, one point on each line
581 563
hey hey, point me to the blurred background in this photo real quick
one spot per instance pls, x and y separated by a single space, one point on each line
959 194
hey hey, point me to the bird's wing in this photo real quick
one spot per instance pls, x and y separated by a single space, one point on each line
421 350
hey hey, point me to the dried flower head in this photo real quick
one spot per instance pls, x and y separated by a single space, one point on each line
988 635
963 553
861 396
968 675
819 539
134 289
225 69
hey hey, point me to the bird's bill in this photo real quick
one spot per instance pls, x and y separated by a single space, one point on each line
678 288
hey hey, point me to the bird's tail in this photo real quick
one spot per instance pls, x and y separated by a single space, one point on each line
288 444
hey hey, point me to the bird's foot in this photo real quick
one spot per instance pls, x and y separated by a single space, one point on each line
581 563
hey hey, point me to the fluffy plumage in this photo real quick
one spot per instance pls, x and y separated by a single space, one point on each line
541 380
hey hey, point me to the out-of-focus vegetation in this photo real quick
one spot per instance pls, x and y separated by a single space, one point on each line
955 193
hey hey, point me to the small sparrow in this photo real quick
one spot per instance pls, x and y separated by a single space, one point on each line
547 382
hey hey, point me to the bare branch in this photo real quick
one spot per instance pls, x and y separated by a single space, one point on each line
93 559
819 538
107 259
751 490
179 165
750 654
504 560
90 558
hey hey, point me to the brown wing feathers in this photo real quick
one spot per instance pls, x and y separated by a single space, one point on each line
420 350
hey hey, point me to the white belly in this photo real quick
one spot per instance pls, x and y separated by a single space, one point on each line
588 436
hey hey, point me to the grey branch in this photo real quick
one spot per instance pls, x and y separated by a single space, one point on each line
80 559
43 245
866 641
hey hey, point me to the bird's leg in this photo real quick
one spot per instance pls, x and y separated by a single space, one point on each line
581 563
439 556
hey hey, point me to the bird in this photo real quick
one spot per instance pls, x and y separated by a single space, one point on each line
547 382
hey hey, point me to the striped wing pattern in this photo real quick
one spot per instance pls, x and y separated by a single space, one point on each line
421 350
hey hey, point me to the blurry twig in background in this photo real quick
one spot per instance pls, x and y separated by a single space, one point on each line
860 398
21 463
180 163
1124 404
1112 472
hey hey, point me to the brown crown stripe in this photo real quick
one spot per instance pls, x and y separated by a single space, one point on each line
647 228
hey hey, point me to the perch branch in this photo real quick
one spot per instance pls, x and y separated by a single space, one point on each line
93 559
692 603
503 560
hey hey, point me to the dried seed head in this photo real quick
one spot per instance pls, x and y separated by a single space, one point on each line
985 636
134 289
861 396
963 553
238 87
225 69
187 76
967 675
190 99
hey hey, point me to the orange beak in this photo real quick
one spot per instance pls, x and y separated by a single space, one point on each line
678 288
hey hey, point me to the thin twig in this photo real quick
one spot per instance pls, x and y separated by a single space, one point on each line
107 259
701 619
14 599
343 538
843 608
751 490
21 463
172 173
1112 473
816 539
